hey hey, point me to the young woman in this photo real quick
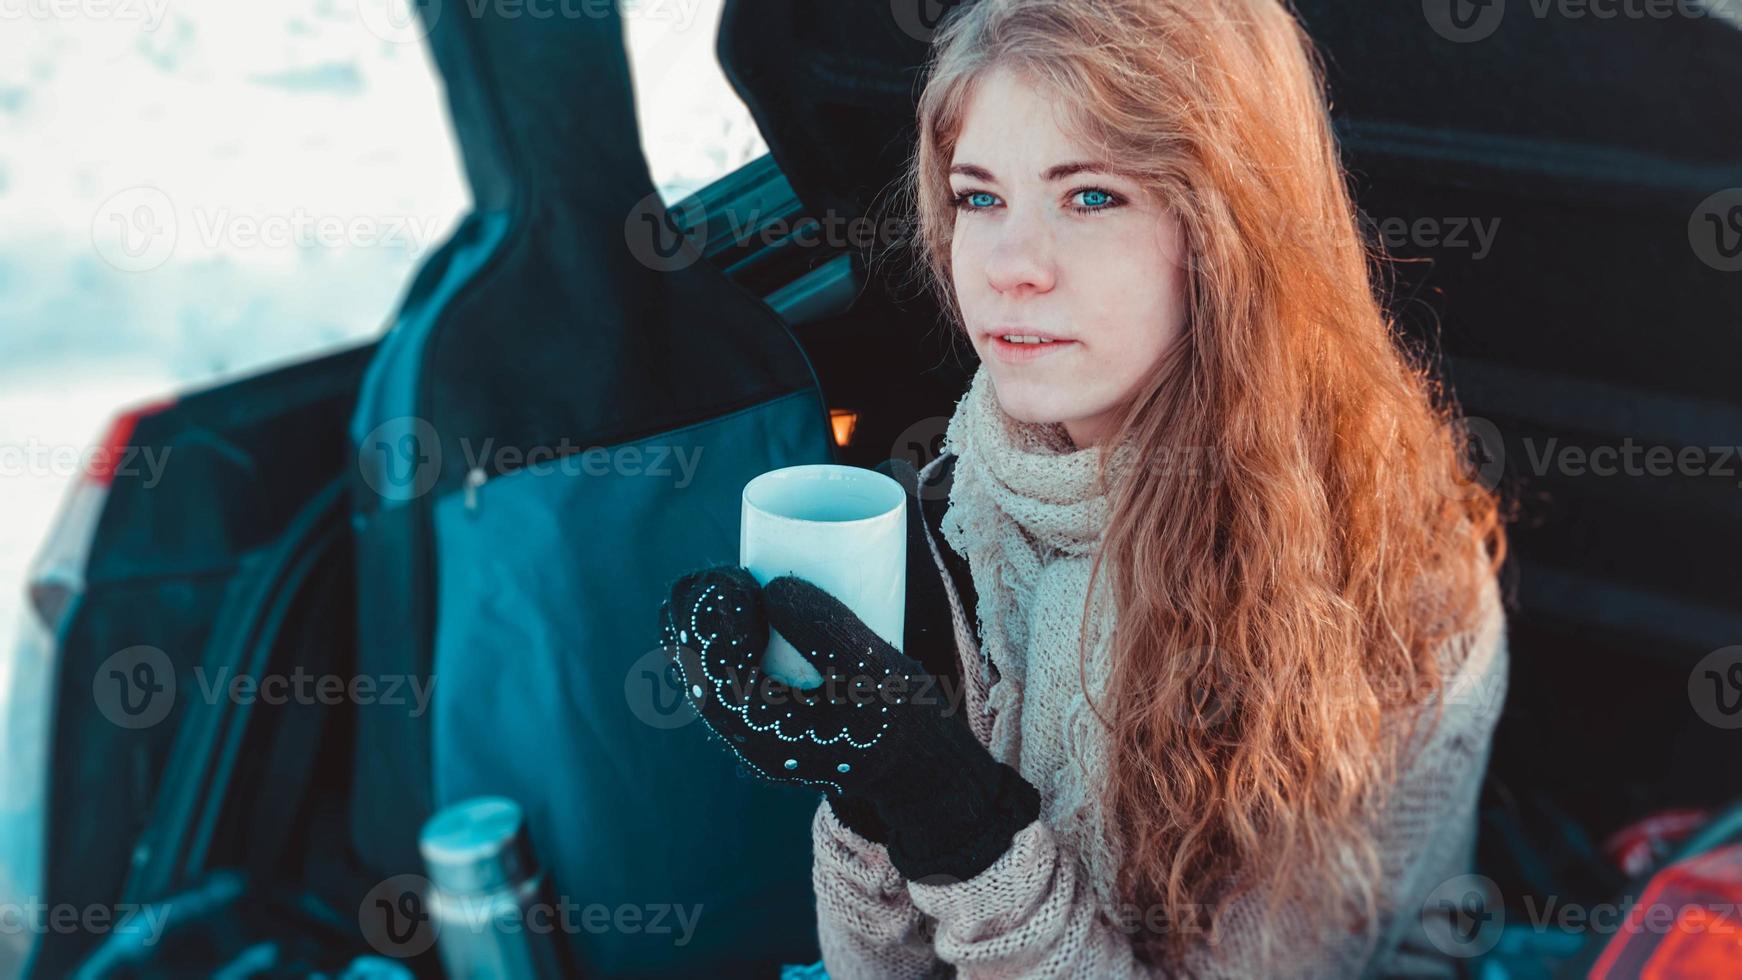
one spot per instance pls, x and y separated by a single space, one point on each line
1229 640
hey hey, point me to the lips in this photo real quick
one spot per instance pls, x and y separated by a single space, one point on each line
1010 353
997 333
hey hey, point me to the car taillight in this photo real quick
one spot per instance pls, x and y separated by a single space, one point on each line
58 572
118 439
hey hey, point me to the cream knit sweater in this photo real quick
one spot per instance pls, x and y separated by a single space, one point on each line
1046 908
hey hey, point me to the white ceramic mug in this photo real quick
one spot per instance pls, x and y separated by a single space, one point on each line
843 528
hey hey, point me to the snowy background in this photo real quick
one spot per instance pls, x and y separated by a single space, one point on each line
242 126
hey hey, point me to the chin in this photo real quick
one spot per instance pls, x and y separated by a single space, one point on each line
1030 400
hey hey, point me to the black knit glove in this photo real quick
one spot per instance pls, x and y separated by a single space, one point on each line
879 729
928 634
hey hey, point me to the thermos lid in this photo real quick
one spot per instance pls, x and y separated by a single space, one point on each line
477 845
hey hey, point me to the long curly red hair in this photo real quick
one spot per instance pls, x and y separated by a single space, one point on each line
1307 531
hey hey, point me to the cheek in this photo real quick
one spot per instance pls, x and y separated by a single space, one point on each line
1130 293
967 268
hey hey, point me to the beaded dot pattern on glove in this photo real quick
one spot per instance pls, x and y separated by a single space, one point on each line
715 625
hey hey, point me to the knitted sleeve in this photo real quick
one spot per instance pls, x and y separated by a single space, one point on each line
1032 914
867 925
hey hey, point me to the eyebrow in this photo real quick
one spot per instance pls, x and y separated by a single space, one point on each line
1058 172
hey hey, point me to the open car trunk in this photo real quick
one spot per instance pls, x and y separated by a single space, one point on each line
406 532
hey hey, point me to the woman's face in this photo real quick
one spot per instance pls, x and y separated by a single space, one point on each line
1052 242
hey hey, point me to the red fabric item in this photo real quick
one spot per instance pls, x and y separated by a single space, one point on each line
1686 923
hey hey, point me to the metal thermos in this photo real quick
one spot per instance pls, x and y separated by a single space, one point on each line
489 899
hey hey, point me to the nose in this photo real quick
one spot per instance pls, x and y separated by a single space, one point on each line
1022 260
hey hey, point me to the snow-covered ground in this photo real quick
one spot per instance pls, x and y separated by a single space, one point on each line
166 173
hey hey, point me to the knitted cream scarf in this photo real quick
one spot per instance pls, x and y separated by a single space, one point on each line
1025 511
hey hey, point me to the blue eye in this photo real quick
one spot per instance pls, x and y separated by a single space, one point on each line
1095 199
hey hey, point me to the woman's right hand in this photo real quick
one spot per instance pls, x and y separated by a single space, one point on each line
879 732
847 736
928 634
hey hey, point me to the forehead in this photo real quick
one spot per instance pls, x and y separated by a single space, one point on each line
1011 120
